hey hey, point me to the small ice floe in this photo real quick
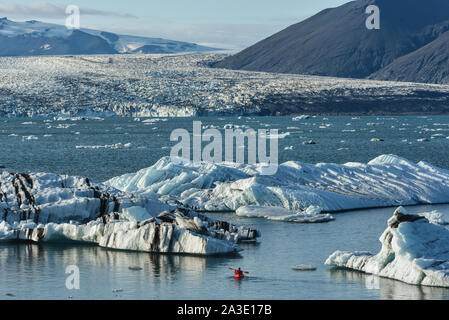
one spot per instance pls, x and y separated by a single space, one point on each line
107 146
63 126
275 136
289 148
311 215
13 135
348 130
29 138
309 142
304 267
302 117
377 140
135 268
414 251
28 123
155 120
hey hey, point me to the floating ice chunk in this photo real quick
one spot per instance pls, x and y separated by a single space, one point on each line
302 117
67 209
387 180
413 250
309 142
29 138
107 146
310 215
304 267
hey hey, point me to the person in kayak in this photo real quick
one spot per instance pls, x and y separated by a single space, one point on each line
238 273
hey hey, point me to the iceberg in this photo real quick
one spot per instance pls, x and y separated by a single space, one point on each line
385 181
44 207
414 251
310 215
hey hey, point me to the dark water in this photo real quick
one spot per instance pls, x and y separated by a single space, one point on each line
38 271
57 153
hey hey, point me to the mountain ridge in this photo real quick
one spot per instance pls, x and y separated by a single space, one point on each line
33 37
335 42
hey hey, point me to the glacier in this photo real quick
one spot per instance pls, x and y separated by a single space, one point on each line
45 207
183 85
385 181
414 251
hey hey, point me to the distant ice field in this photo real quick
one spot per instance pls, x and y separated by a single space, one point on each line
104 149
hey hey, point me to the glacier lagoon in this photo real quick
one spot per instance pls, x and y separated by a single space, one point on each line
117 146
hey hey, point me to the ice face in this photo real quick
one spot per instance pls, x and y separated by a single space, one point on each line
413 251
44 207
385 181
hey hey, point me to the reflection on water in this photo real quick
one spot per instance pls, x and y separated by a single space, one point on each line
38 271
388 288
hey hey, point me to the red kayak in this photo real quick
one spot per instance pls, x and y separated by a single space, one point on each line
238 274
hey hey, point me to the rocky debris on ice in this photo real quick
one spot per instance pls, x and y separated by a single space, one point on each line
387 180
414 251
311 215
44 207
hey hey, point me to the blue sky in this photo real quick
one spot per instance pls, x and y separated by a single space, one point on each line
231 24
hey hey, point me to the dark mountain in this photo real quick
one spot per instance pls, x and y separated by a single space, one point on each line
336 42
428 64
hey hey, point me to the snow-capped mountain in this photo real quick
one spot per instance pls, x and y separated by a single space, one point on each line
38 38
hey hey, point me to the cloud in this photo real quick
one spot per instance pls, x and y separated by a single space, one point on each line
46 10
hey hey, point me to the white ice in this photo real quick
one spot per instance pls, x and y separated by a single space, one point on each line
387 180
413 251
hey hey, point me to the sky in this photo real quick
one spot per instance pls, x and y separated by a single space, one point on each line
229 24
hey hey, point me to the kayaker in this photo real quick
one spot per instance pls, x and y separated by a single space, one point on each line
238 273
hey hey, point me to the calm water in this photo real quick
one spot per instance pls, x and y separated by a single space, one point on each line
38 271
